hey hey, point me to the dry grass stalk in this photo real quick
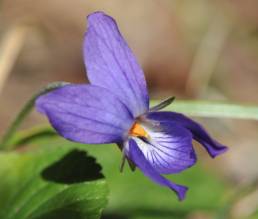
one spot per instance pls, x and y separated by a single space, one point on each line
10 47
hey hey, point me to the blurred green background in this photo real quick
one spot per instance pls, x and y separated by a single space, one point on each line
199 49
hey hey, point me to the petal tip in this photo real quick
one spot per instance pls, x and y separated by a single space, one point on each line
98 16
217 152
181 192
95 14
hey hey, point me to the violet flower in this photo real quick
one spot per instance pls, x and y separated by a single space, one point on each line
114 108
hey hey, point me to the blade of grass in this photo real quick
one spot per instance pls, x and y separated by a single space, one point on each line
214 109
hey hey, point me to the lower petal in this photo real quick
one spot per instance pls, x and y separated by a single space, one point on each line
168 149
136 155
213 147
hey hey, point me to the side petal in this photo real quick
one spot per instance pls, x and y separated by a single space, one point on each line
86 114
213 147
136 155
111 64
168 149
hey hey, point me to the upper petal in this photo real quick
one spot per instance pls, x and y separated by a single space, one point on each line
137 156
86 114
168 148
111 64
213 147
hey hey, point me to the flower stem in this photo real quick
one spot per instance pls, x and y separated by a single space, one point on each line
4 142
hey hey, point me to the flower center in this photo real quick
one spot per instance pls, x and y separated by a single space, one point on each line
138 131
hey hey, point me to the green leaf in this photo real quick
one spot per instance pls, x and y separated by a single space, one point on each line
51 183
213 109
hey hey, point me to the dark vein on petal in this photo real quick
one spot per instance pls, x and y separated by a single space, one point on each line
174 164
169 155
152 158
176 149
105 63
159 162
118 65
88 130
93 120
89 106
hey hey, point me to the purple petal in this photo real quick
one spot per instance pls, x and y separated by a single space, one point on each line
111 64
169 148
86 114
199 133
136 155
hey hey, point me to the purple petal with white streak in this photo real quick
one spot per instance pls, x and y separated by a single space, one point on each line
213 147
111 64
169 148
86 114
136 155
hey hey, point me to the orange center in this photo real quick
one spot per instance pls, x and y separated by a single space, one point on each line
138 131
